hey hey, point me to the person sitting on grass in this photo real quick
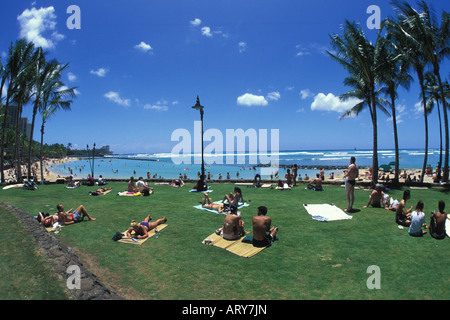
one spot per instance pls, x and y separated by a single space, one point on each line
206 203
234 198
141 229
263 234
403 216
71 217
315 184
233 226
376 198
437 222
417 220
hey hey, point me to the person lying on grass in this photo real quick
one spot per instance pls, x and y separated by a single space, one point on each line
263 234
141 229
233 226
71 217
100 192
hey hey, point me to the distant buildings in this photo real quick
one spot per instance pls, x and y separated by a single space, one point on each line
11 122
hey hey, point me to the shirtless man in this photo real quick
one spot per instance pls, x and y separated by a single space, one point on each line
141 229
206 203
403 216
316 184
263 234
376 198
294 174
233 226
437 222
350 176
71 217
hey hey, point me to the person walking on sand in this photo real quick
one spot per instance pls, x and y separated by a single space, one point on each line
350 180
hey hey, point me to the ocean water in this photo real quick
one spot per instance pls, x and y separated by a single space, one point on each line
238 165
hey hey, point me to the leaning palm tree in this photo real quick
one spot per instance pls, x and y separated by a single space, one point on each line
46 79
422 32
53 100
393 74
360 58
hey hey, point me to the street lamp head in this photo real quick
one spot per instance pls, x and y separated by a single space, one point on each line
198 106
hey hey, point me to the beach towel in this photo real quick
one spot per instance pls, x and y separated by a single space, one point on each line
241 205
56 227
447 226
151 233
195 190
242 247
326 212
13 186
132 194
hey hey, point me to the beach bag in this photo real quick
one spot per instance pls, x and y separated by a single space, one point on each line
117 236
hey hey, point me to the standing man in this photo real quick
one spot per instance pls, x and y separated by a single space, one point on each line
350 181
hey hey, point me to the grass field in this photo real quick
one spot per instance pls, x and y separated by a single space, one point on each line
311 259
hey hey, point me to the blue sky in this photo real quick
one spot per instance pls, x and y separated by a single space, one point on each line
261 64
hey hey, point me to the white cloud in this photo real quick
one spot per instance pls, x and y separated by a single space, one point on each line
71 77
39 27
273 96
145 47
206 31
115 97
101 72
330 102
242 46
306 93
249 100
156 107
196 22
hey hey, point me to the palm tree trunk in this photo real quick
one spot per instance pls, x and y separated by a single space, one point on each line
2 157
440 141
35 109
375 141
17 152
444 108
424 101
394 123
42 151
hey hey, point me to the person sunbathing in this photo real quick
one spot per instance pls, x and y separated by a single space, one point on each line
100 192
263 234
141 229
234 198
393 203
71 217
47 220
376 198
233 226
206 203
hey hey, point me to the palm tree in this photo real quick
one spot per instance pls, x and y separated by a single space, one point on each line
420 31
356 54
433 98
19 53
46 78
393 74
53 100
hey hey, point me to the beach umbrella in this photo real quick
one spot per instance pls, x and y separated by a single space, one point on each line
392 163
385 168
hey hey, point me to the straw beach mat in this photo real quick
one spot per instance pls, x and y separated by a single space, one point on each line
326 212
242 247
151 233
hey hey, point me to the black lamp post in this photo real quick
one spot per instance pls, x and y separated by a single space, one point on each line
201 185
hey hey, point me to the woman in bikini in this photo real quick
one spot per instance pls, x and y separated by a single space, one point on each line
206 203
141 229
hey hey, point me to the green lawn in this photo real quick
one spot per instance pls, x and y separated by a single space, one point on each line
311 259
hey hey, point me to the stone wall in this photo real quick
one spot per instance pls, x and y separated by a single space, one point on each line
61 257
